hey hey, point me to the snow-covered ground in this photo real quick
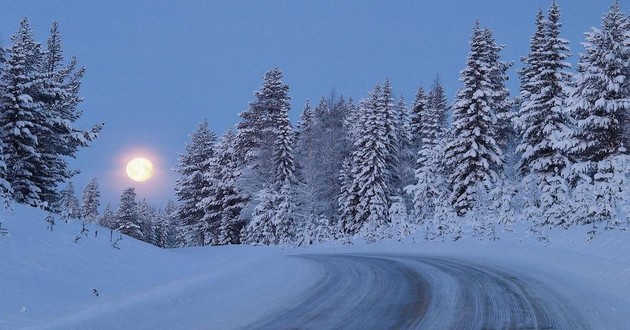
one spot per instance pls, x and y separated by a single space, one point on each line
48 281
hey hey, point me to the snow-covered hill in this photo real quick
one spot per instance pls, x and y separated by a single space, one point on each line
49 281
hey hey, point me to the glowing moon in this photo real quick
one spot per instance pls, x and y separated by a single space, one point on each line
140 169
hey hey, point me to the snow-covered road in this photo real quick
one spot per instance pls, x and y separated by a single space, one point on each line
398 291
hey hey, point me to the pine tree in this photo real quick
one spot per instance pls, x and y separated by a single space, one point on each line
282 217
417 116
127 220
541 121
108 218
285 217
283 159
307 163
437 100
501 103
392 140
258 130
195 169
170 230
68 204
407 153
146 221
472 153
429 176
265 148
38 101
371 171
19 81
230 201
261 229
90 201
600 109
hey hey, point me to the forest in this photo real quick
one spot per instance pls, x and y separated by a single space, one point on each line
552 156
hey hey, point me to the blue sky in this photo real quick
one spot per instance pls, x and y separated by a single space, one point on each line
156 68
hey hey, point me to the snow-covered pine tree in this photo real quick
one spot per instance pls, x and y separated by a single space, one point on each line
232 200
437 100
417 116
68 204
90 201
261 229
408 155
283 215
472 152
19 82
170 229
38 96
265 148
127 220
193 186
146 220
542 123
392 139
502 104
331 148
371 172
283 159
600 108
307 163
257 133
159 230
348 200
59 97
108 218
429 176
286 216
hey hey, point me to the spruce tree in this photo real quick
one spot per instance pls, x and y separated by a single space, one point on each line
195 184
231 199
437 100
170 217
371 172
429 176
542 123
108 218
281 217
307 163
127 220
146 221
417 116
68 204
20 81
257 132
473 153
600 109
90 201
407 154
39 107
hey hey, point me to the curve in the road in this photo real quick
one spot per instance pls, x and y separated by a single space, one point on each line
416 292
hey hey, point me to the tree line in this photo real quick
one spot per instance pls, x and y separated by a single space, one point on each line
553 156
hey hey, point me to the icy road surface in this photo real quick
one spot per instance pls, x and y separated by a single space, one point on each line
395 291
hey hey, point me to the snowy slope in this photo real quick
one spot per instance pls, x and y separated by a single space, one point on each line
47 280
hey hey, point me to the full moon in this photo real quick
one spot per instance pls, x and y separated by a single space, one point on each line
140 169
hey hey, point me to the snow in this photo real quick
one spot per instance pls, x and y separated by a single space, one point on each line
48 281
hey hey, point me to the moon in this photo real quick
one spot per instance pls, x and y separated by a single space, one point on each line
140 169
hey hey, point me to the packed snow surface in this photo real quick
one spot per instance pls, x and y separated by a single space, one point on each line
49 281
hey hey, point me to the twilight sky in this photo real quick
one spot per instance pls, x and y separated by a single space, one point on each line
156 68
